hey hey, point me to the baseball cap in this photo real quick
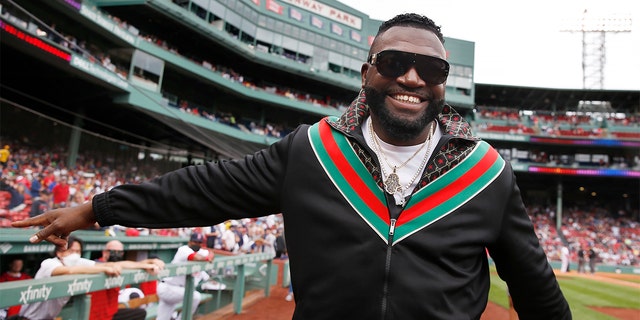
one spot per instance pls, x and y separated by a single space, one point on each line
197 237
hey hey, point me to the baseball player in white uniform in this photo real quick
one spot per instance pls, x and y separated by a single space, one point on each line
171 289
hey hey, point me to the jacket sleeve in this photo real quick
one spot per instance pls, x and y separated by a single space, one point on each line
523 265
202 194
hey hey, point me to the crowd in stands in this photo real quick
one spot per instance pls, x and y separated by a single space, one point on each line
228 118
566 124
597 125
614 235
31 173
620 162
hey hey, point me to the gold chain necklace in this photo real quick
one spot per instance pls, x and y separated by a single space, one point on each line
392 182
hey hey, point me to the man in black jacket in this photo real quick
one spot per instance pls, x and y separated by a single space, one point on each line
396 200
280 245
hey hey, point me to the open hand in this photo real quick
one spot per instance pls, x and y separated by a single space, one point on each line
59 223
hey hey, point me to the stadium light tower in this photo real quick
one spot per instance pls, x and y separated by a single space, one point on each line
594 29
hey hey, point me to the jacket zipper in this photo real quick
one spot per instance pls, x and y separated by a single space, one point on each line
387 268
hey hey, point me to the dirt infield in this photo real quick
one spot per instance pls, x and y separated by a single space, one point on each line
275 307
619 313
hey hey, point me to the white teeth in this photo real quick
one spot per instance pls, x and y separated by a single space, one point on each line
406 98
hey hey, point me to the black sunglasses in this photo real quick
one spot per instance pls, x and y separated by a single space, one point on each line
392 64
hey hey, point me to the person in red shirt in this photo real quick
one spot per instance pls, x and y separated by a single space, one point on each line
13 274
61 193
104 303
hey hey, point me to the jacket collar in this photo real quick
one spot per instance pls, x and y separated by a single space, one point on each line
450 121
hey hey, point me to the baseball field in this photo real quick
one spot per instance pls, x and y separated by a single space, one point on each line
599 296
606 296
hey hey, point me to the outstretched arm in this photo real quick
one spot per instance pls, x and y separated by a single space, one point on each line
59 223
204 194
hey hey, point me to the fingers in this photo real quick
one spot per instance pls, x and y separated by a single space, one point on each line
113 270
48 234
158 263
153 270
59 223
45 233
59 241
39 220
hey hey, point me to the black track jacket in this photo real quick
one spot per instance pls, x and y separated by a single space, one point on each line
354 254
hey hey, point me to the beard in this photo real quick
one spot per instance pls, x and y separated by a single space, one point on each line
398 128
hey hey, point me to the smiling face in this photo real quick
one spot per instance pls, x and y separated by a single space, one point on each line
402 107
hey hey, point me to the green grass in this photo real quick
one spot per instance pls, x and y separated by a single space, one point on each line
580 293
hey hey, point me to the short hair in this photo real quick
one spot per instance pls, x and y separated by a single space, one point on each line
70 241
411 20
118 242
14 259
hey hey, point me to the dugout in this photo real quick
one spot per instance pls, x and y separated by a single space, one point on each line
15 242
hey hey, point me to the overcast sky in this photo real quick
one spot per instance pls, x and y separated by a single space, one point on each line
521 42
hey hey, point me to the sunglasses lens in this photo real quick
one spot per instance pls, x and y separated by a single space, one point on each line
393 64
432 70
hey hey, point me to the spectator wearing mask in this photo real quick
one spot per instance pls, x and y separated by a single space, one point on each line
104 303
64 262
